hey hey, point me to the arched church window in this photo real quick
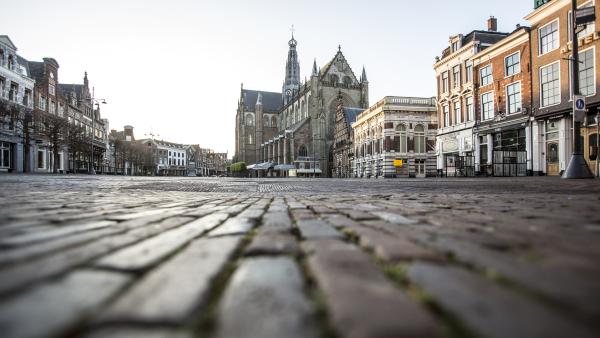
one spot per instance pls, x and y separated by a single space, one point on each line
249 120
419 139
302 151
347 80
274 121
250 139
401 129
334 78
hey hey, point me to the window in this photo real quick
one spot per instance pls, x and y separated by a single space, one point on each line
468 71
446 116
587 78
487 106
51 90
40 159
250 139
27 97
402 144
455 46
14 91
593 143
249 120
485 75
513 98
419 139
512 64
550 84
2 84
302 151
457 113
42 103
444 82
469 107
456 76
483 149
52 107
548 37
5 154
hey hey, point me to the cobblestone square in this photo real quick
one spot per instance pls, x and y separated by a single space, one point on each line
112 256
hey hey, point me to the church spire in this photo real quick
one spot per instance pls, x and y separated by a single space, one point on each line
363 77
314 71
292 71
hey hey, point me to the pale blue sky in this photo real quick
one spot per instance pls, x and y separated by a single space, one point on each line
175 67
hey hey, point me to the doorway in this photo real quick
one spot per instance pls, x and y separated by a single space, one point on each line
420 168
552 163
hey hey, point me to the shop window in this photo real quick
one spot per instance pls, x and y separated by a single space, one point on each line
593 143
40 158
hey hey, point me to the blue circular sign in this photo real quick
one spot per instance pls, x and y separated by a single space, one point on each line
580 104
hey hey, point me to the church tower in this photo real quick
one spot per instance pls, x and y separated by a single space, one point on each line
292 73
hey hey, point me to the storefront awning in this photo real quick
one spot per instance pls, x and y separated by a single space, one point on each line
284 167
309 171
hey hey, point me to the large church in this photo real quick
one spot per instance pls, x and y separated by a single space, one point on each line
294 129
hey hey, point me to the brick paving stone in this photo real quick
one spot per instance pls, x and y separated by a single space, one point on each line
341 221
17 276
358 215
265 298
134 332
394 218
315 229
276 222
360 300
39 236
268 243
234 226
170 293
151 251
53 308
491 310
393 248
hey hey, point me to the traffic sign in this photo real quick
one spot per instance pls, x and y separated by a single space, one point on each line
579 108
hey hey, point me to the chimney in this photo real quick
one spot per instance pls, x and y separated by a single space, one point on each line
492 24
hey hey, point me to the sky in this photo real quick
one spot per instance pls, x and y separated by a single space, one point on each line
174 68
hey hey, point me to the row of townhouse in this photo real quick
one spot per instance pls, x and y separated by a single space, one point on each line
46 126
504 100
150 156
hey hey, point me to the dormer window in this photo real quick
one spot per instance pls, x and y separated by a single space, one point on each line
11 62
455 46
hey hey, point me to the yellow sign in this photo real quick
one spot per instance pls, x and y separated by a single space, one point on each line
398 163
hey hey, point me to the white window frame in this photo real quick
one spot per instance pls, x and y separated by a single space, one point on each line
457 118
470 114
571 74
468 72
520 108
455 77
491 76
446 115
445 82
491 92
506 68
539 37
559 85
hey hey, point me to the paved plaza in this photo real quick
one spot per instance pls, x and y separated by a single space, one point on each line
105 256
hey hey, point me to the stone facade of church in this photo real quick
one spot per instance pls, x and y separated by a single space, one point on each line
304 136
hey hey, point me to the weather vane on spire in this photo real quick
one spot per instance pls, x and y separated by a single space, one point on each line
292 30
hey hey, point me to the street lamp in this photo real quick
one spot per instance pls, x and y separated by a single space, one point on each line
577 167
97 103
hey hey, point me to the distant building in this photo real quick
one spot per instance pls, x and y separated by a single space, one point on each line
396 138
457 98
299 131
16 98
343 138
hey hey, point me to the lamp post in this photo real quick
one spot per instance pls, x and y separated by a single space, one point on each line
577 167
96 102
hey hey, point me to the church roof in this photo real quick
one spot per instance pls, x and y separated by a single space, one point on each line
271 101
351 113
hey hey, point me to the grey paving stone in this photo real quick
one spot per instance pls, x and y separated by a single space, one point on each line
361 302
53 308
171 292
233 226
152 250
135 332
273 244
489 309
316 229
394 218
393 248
39 236
129 216
265 298
276 222
18 276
